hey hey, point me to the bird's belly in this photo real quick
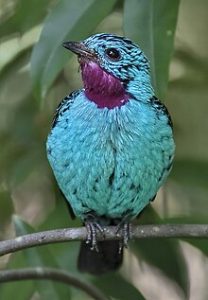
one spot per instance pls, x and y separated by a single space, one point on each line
111 177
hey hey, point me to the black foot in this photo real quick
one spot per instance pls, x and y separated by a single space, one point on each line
124 228
93 227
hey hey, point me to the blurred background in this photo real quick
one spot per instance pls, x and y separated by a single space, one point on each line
36 73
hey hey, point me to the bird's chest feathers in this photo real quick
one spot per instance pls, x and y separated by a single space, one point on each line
91 132
109 155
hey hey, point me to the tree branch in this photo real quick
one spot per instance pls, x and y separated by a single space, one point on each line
74 234
51 274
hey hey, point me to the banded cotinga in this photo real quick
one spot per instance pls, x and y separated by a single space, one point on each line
111 144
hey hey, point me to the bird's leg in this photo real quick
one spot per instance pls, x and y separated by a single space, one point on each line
93 227
124 227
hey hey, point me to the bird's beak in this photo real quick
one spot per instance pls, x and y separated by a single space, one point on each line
80 49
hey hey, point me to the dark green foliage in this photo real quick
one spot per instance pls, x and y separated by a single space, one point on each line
107 284
152 25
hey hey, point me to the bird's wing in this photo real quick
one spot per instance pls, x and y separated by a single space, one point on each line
64 105
161 108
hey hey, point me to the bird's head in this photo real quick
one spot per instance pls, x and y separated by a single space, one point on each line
111 66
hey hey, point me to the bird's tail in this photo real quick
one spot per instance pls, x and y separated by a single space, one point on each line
107 259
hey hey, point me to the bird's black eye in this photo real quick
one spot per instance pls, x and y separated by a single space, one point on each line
113 54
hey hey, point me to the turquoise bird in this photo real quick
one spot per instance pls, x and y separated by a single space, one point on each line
111 144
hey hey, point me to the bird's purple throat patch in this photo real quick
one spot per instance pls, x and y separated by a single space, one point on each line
101 87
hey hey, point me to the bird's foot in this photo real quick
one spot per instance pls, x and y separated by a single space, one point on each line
93 227
124 229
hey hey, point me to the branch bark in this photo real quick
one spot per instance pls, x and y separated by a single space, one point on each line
51 274
74 234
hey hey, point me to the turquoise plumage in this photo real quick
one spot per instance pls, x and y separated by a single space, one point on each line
111 145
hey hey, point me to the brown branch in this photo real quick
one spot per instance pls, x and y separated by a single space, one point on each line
51 274
74 234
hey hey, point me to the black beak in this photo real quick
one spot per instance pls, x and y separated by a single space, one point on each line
80 49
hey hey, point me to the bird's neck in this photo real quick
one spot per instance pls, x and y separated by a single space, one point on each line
105 90
141 87
102 88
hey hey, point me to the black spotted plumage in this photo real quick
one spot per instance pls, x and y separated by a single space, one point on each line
63 106
160 107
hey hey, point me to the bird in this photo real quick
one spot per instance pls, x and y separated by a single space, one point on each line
111 144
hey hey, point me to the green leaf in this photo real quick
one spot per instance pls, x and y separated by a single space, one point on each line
11 79
164 254
60 216
189 187
152 25
201 244
116 286
17 290
72 20
6 208
65 253
40 257
25 15
190 172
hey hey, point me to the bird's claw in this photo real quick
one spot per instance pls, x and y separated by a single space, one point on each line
124 229
92 228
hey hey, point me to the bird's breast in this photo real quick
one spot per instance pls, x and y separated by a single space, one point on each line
108 159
